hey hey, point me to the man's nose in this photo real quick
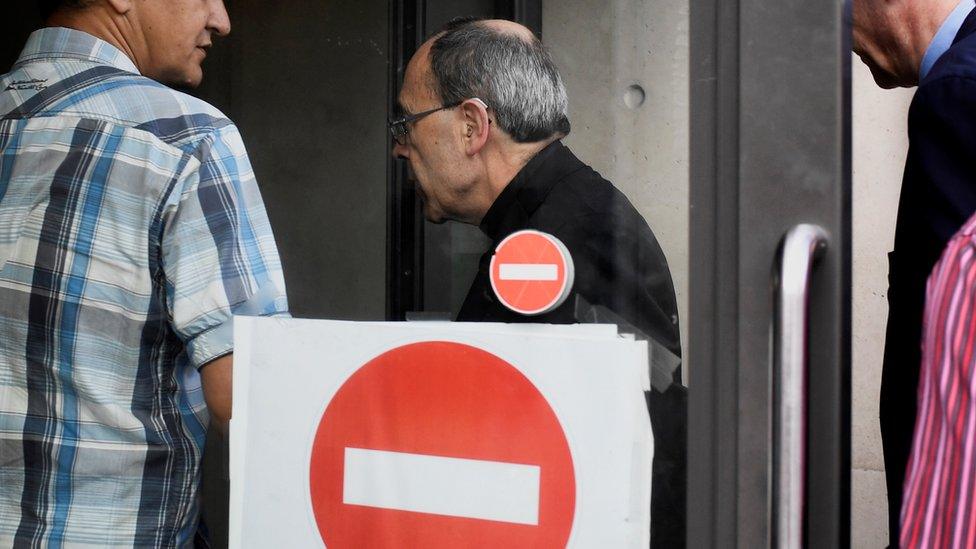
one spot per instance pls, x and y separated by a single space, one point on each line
400 151
219 21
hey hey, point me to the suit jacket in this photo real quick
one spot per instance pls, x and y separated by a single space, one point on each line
938 195
619 268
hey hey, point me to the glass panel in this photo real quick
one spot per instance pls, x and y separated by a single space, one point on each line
451 250
310 84
625 64
309 88
299 82
625 68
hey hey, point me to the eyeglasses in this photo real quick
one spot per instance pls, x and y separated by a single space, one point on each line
399 128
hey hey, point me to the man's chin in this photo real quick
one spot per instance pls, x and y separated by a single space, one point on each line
191 83
887 80
436 220
436 217
189 80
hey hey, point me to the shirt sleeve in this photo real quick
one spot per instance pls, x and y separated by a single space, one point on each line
934 511
219 256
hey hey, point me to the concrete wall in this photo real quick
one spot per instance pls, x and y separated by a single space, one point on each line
625 63
880 145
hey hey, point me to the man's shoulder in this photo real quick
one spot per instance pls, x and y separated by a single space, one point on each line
586 206
956 259
947 95
966 235
174 117
131 100
586 192
958 63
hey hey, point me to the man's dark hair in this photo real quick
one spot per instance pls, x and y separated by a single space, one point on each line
516 77
48 7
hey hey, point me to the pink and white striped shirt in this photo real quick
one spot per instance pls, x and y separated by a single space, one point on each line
939 505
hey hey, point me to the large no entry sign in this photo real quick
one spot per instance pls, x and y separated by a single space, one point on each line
440 444
531 272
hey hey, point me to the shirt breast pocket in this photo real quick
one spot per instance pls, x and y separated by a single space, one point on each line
17 238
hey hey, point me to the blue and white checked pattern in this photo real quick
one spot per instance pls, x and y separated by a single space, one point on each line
131 230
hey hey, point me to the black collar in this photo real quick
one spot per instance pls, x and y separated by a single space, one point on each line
528 189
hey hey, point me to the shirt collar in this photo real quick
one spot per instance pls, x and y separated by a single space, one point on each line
528 190
59 43
942 40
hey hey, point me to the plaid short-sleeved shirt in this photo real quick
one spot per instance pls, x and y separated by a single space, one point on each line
131 230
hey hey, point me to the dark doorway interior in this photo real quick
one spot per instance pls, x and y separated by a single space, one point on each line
430 267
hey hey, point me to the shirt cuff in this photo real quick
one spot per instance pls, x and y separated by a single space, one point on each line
218 340
211 344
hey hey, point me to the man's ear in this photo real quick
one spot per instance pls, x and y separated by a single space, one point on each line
121 7
477 125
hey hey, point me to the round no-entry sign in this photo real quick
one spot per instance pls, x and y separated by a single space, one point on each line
531 272
439 444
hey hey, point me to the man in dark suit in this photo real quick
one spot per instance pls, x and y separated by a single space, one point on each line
932 44
483 142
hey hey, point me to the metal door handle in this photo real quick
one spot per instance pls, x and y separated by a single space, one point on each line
800 249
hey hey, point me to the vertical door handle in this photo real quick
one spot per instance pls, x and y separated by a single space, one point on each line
799 251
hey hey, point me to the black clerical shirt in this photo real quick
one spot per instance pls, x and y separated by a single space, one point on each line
620 267
619 264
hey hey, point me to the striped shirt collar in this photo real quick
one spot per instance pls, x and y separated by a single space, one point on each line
60 42
942 40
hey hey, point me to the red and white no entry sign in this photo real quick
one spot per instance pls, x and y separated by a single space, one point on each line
531 272
441 444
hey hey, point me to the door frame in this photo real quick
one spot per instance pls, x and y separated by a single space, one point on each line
770 148
405 220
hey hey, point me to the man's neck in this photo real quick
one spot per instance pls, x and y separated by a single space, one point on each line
923 21
509 161
96 22
503 160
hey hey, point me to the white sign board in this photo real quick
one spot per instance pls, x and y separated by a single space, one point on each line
438 435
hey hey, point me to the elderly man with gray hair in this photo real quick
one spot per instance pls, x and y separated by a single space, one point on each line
484 112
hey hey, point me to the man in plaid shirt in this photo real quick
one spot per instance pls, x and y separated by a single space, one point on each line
131 230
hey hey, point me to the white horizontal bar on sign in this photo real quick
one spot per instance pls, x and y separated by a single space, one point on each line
468 488
528 271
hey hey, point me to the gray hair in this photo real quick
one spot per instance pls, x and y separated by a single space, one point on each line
516 77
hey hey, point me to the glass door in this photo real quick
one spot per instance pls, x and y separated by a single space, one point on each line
770 142
725 124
